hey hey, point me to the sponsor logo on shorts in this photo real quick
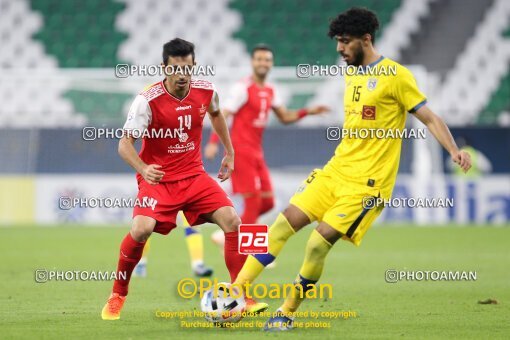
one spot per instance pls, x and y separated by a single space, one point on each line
149 202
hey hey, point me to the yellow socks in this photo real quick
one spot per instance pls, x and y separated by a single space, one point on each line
195 243
145 251
316 251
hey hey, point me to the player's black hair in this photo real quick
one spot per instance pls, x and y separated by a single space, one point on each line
178 48
356 22
261 47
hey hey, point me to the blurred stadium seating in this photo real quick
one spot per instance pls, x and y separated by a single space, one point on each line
296 32
58 59
52 38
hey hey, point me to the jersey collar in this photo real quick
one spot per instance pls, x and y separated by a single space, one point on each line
365 68
174 97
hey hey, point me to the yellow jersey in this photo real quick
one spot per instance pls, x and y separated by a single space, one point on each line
377 97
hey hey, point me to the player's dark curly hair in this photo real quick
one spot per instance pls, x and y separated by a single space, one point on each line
356 22
178 48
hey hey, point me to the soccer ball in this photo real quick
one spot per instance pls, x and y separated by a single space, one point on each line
223 307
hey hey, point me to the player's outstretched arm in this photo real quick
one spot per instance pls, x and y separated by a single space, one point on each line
219 124
286 116
129 154
438 128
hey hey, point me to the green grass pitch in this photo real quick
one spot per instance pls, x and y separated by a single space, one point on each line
410 310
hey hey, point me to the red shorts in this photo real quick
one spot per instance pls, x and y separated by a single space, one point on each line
195 196
251 173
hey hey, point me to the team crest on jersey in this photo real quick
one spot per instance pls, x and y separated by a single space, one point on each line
371 84
368 112
202 109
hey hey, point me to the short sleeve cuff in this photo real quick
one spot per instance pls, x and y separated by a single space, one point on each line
414 109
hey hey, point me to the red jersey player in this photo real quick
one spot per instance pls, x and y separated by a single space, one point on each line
170 173
250 102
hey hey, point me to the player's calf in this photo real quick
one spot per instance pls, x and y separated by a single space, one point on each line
252 206
279 232
228 220
317 248
266 204
131 250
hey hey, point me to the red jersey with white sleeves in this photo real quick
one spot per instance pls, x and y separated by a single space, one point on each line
250 103
172 127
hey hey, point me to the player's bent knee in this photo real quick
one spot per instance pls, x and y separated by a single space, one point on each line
329 233
234 221
140 233
227 219
142 228
297 219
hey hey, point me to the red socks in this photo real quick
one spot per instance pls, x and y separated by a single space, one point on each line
266 204
233 259
251 209
254 206
130 253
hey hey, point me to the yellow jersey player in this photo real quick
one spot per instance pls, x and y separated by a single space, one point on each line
361 167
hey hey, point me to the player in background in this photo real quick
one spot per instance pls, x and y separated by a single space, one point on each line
341 195
249 102
195 244
170 172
